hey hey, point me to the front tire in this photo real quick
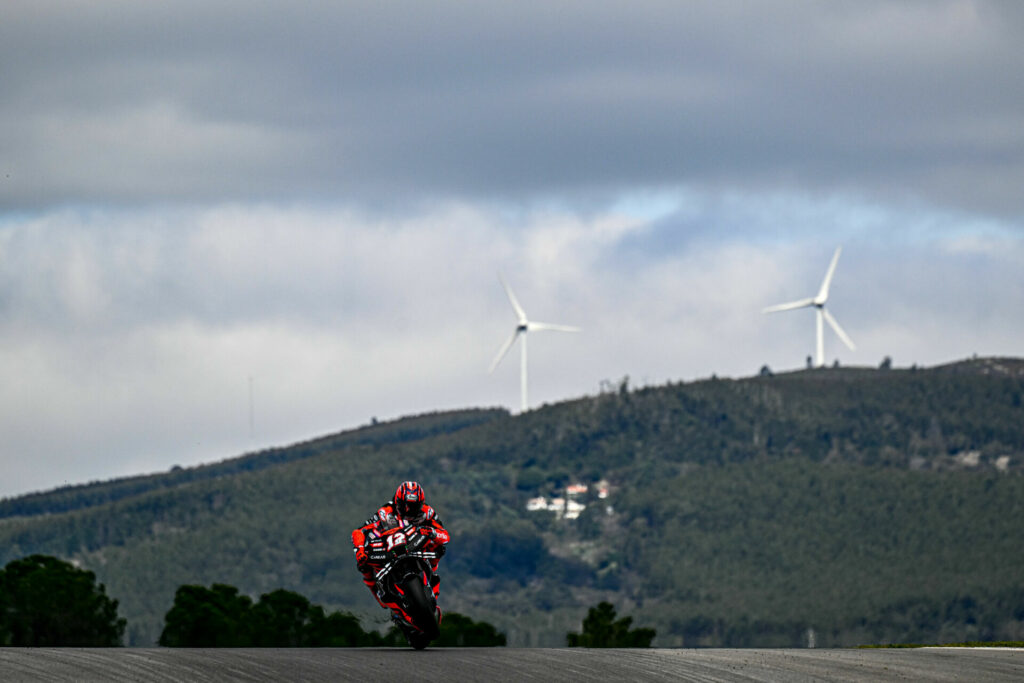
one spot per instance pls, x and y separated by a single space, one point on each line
417 640
424 614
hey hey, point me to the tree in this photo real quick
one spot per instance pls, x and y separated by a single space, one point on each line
220 617
458 630
280 619
286 619
338 629
208 617
600 629
46 602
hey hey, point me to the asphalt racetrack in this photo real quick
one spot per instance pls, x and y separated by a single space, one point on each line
509 664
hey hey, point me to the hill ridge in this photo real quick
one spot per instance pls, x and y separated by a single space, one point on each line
868 505
79 496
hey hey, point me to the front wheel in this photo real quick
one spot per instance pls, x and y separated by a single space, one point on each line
417 640
423 613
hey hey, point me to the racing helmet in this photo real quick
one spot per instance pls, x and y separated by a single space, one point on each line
409 500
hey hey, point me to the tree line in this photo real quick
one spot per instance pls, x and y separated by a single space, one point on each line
47 602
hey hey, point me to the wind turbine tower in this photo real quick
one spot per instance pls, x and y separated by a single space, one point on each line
818 302
523 326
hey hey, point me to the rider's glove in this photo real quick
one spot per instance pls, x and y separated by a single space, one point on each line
362 561
428 531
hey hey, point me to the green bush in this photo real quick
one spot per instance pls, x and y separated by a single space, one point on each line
601 629
46 602
220 617
458 630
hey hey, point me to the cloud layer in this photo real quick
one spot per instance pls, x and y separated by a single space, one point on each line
314 200
404 102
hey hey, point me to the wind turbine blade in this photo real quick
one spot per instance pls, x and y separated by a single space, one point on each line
835 326
823 292
803 303
532 326
504 349
520 313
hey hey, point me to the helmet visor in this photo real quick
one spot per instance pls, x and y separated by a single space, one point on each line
412 509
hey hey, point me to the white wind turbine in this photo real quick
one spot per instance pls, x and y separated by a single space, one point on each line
819 303
523 325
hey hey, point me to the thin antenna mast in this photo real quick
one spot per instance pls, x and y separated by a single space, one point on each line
252 414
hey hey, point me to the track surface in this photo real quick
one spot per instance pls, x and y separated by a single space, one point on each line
501 664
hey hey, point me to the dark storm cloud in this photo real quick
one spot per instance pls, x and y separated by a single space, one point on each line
366 103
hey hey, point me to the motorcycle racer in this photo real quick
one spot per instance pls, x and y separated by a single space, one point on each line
408 505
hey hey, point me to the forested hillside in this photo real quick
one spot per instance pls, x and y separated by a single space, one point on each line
834 506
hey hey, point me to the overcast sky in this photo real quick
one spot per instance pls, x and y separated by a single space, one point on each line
232 225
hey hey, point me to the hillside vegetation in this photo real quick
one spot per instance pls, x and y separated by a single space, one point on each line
835 507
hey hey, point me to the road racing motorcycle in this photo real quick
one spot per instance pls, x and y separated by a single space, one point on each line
405 581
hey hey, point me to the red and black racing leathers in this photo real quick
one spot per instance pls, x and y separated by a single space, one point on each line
386 517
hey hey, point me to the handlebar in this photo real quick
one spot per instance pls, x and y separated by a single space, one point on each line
405 541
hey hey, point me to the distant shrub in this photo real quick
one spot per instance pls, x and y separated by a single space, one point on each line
458 630
601 629
220 617
46 602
